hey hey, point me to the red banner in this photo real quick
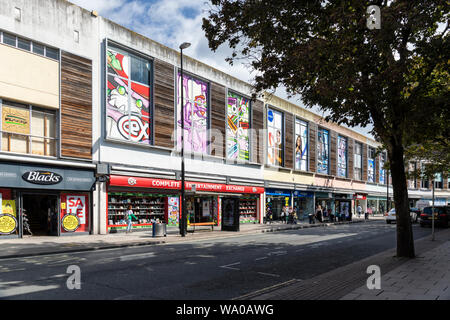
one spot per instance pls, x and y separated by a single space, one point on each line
138 182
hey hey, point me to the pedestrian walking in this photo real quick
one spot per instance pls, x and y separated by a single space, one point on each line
128 218
283 214
359 210
319 213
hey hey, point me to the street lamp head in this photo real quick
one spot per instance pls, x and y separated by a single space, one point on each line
185 45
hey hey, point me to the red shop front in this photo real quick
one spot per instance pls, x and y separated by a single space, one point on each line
158 200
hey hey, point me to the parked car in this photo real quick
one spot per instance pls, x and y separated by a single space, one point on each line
391 216
441 216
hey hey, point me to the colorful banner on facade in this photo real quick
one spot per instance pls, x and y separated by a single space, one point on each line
275 142
196 112
323 151
128 100
238 125
342 157
301 145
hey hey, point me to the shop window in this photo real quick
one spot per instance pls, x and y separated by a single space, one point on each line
128 96
195 107
28 129
147 208
275 143
9 213
301 145
342 157
357 161
323 151
238 125
371 165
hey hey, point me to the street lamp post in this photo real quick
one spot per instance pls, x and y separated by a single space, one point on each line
183 216
386 176
432 214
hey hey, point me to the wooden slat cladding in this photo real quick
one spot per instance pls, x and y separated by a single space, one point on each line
218 120
364 161
350 160
333 153
164 110
289 141
312 146
76 106
258 136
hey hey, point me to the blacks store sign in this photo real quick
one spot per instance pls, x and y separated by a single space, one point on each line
34 177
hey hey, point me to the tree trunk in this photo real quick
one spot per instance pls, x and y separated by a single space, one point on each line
405 240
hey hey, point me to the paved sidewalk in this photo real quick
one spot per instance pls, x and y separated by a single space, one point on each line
41 245
425 278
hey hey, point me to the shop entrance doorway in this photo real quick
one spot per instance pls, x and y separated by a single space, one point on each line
41 212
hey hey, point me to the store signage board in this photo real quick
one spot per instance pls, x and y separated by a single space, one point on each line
138 182
40 177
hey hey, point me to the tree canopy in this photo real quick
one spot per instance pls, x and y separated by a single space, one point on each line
394 78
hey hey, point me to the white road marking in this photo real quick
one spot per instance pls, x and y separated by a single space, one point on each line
228 266
262 258
25 290
269 274
277 253
137 256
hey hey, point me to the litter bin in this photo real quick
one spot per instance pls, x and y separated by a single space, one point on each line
159 230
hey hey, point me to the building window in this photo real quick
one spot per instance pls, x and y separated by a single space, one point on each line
382 171
323 151
28 129
371 165
438 181
301 145
28 45
275 144
196 113
128 97
357 155
238 125
412 179
342 156
424 184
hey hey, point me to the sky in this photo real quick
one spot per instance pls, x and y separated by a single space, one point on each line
172 22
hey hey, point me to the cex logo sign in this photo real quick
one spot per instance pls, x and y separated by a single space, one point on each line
132 181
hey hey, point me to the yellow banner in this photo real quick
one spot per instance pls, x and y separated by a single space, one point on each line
9 207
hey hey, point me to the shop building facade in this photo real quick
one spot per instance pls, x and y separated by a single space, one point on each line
101 99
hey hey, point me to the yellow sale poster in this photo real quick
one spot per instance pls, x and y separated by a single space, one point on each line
9 207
